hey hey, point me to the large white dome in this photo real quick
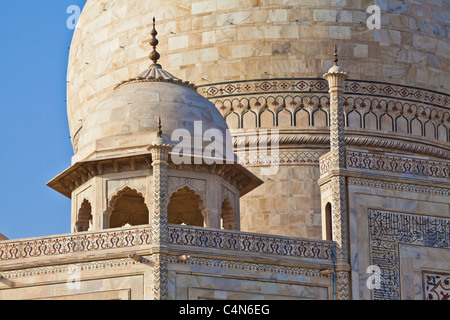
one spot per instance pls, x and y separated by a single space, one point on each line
215 41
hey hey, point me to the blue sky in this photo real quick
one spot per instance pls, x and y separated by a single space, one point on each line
34 132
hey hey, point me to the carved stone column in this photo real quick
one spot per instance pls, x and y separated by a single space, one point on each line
160 156
337 180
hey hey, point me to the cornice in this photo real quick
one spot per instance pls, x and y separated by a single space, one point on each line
353 138
80 173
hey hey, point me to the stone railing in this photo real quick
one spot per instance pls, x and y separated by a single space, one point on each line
76 243
91 242
250 242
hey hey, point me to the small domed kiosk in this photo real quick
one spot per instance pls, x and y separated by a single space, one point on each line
127 168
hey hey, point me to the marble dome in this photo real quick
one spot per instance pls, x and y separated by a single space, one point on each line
126 121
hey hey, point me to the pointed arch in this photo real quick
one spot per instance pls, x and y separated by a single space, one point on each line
186 207
416 126
386 122
284 118
442 132
232 120
84 217
127 207
319 118
302 118
429 129
354 119
228 221
401 124
328 222
266 118
249 119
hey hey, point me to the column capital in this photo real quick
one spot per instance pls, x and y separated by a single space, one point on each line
335 77
160 153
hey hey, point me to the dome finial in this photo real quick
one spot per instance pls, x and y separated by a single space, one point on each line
155 72
154 55
159 128
159 139
335 56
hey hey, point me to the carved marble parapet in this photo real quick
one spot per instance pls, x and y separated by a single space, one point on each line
250 242
136 237
79 243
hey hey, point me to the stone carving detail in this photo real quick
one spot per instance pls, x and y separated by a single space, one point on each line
175 184
160 202
76 244
281 157
398 186
179 235
160 233
292 86
297 102
340 230
396 164
160 155
436 285
160 274
150 259
340 234
247 242
343 289
337 138
389 229
32 272
252 267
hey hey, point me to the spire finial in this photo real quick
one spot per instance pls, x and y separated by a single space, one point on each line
154 55
335 56
159 128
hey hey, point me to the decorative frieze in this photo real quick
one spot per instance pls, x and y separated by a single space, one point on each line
396 164
310 85
325 163
299 103
150 259
84 266
281 157
398 186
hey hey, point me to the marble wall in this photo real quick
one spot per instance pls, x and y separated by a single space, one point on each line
288 203
399 222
